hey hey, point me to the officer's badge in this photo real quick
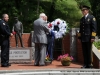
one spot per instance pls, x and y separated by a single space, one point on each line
3 23
94 19
88 20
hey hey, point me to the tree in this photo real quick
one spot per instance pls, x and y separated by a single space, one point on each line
83 2
38 4
52 10
67 10
29 10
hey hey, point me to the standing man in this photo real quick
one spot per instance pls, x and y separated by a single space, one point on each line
40 39
18 31
4 37
87 35
50 38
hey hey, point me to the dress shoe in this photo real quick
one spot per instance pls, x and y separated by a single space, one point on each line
84 67
36 64
42 65
90 66
4 65
9 64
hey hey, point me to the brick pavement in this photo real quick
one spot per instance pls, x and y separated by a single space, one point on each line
55 65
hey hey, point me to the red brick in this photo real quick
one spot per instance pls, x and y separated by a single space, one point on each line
26 40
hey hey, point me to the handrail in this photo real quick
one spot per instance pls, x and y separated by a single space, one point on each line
96 57
96 52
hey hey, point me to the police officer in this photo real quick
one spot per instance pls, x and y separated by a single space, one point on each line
18 29
87 35
4 37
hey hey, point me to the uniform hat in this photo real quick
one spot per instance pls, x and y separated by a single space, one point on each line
84 7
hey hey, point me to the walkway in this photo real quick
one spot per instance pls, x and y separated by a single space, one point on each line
55 65
54 69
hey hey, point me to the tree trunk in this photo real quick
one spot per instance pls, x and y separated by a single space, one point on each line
52 9
38 4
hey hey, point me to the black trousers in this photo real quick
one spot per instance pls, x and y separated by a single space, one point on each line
87 49
5 51
50 46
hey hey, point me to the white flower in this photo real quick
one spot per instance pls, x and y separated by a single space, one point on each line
59 25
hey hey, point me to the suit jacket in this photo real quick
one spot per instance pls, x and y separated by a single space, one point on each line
40 29
88 28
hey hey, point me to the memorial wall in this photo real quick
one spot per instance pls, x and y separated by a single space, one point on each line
26 54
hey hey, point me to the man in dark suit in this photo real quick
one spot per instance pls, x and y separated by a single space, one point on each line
4 38
87 35
50 37
18 31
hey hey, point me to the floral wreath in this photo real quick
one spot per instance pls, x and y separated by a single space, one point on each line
59 27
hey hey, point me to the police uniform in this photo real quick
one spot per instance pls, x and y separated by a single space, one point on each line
86 33
4 37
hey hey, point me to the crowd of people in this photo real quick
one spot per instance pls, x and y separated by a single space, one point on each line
44 38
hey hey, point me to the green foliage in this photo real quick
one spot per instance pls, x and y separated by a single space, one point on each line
83 2
97 45
69 11
29 10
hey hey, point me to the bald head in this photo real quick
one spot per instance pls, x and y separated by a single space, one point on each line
5 17
42 15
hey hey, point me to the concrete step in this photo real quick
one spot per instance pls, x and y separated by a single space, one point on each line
52 72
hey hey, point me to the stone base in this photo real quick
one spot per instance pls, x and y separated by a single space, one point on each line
96 57
20 55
